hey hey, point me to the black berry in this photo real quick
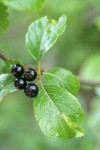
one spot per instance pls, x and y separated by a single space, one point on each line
31 90
20 83
30 74
17 70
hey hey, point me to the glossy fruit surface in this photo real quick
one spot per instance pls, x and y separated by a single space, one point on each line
20 83
31 90
17 70
30 74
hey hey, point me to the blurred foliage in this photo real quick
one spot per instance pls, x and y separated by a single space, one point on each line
3 18
18 129
91 68
77 49
27 5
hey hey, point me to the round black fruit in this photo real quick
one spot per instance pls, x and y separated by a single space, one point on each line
31 90
30 74
20 83
17 70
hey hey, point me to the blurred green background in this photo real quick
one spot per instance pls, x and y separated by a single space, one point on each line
77 50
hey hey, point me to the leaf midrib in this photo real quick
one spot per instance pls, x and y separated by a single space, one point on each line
54 104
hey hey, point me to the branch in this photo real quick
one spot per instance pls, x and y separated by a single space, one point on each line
89 82
82 80
3 56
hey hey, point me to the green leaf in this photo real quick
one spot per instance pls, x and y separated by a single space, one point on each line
27 5
3 18
42 35
6 85
62 78
58 112
8 65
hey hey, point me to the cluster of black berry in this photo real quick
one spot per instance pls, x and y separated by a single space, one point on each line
31 90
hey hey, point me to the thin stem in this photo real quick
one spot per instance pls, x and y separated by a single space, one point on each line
39 71
89 82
